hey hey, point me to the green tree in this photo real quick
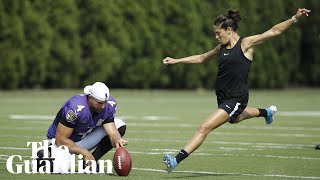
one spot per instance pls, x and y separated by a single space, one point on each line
64 64
37 37
99 55
66 44
12 61
308 73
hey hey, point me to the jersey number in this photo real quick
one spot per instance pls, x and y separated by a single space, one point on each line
83 135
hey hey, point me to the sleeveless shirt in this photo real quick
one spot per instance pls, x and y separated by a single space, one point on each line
233 72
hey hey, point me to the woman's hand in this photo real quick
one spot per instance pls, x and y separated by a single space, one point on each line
169 60
301 12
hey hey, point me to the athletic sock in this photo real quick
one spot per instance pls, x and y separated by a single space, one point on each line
262 113
181 155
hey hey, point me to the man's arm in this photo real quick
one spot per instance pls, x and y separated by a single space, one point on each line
62 138
114 136
195 59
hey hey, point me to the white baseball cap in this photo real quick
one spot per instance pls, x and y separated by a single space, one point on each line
98 90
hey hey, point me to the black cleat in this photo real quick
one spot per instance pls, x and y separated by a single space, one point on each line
318 146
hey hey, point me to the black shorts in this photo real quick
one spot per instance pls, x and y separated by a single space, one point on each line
234 107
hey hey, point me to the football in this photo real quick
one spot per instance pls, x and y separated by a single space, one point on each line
122 162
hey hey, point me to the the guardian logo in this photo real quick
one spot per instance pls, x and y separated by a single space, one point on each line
58 161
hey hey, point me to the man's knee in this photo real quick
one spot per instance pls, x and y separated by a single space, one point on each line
105 140
122 130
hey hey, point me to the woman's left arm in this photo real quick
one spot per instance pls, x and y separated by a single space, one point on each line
277 29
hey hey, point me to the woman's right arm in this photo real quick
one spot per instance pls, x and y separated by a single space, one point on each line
195 59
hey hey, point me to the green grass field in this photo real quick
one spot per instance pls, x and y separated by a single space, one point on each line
161 122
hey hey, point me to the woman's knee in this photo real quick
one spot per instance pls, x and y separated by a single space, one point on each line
204 128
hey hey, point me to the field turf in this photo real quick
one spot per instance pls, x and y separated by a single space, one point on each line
160 122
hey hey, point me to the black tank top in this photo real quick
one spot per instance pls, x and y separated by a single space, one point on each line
233 72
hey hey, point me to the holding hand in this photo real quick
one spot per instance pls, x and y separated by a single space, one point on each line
87 156
120 142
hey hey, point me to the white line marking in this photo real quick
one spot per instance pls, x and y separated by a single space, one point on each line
24 128
31 117
234 149
226 154
154 132
32 128
197 153
299 113
235 174
15 148
218 173
47 117
147 118
16 136
183 125
152 117
273 128
267 135
262 127
260 145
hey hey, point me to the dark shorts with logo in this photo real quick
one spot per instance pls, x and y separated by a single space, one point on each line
233 106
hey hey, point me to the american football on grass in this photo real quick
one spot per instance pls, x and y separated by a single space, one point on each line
122 162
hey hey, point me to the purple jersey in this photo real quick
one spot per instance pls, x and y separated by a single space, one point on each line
75 113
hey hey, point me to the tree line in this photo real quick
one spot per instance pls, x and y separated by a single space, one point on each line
72 43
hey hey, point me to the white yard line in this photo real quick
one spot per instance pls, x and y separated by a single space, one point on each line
47 117
31 117
296 135
299 113
197 153
181 125
24 128
154 118
225 154
223 173
250 144
234 134
262 127
17 136
14 148
229 174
